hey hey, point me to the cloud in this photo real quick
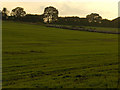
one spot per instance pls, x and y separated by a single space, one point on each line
72 8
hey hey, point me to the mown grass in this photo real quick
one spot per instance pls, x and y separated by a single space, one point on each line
36 56
103 29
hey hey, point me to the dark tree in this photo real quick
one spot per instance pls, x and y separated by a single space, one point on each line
5 13
50 14
94 17
106 23
18 12
32 18
74 21
116 22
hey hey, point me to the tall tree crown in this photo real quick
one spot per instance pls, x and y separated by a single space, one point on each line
94 17
50 14
18 12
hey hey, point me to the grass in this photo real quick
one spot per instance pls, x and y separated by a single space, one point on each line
103 29
36 56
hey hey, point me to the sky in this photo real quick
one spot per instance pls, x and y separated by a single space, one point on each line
108 9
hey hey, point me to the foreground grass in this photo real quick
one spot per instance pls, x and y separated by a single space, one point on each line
40 57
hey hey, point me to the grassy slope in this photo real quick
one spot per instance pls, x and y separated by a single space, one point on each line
104 29
37 56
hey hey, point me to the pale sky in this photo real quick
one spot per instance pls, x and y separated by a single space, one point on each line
106 8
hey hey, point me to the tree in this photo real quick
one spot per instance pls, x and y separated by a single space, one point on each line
94 17
32 18
5 13
116 22
18 12
50 14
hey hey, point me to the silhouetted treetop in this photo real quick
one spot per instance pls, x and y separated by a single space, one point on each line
50 14
94 17
18 12
5 13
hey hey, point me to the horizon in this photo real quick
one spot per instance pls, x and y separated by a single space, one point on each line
79 9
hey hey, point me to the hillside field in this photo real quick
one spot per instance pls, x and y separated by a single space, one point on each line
35 56
104 29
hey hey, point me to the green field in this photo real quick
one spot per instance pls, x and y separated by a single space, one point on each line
36 56
103 29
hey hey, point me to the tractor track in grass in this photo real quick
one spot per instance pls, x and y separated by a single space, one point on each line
23 75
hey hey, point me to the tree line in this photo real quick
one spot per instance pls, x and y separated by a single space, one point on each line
50 16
